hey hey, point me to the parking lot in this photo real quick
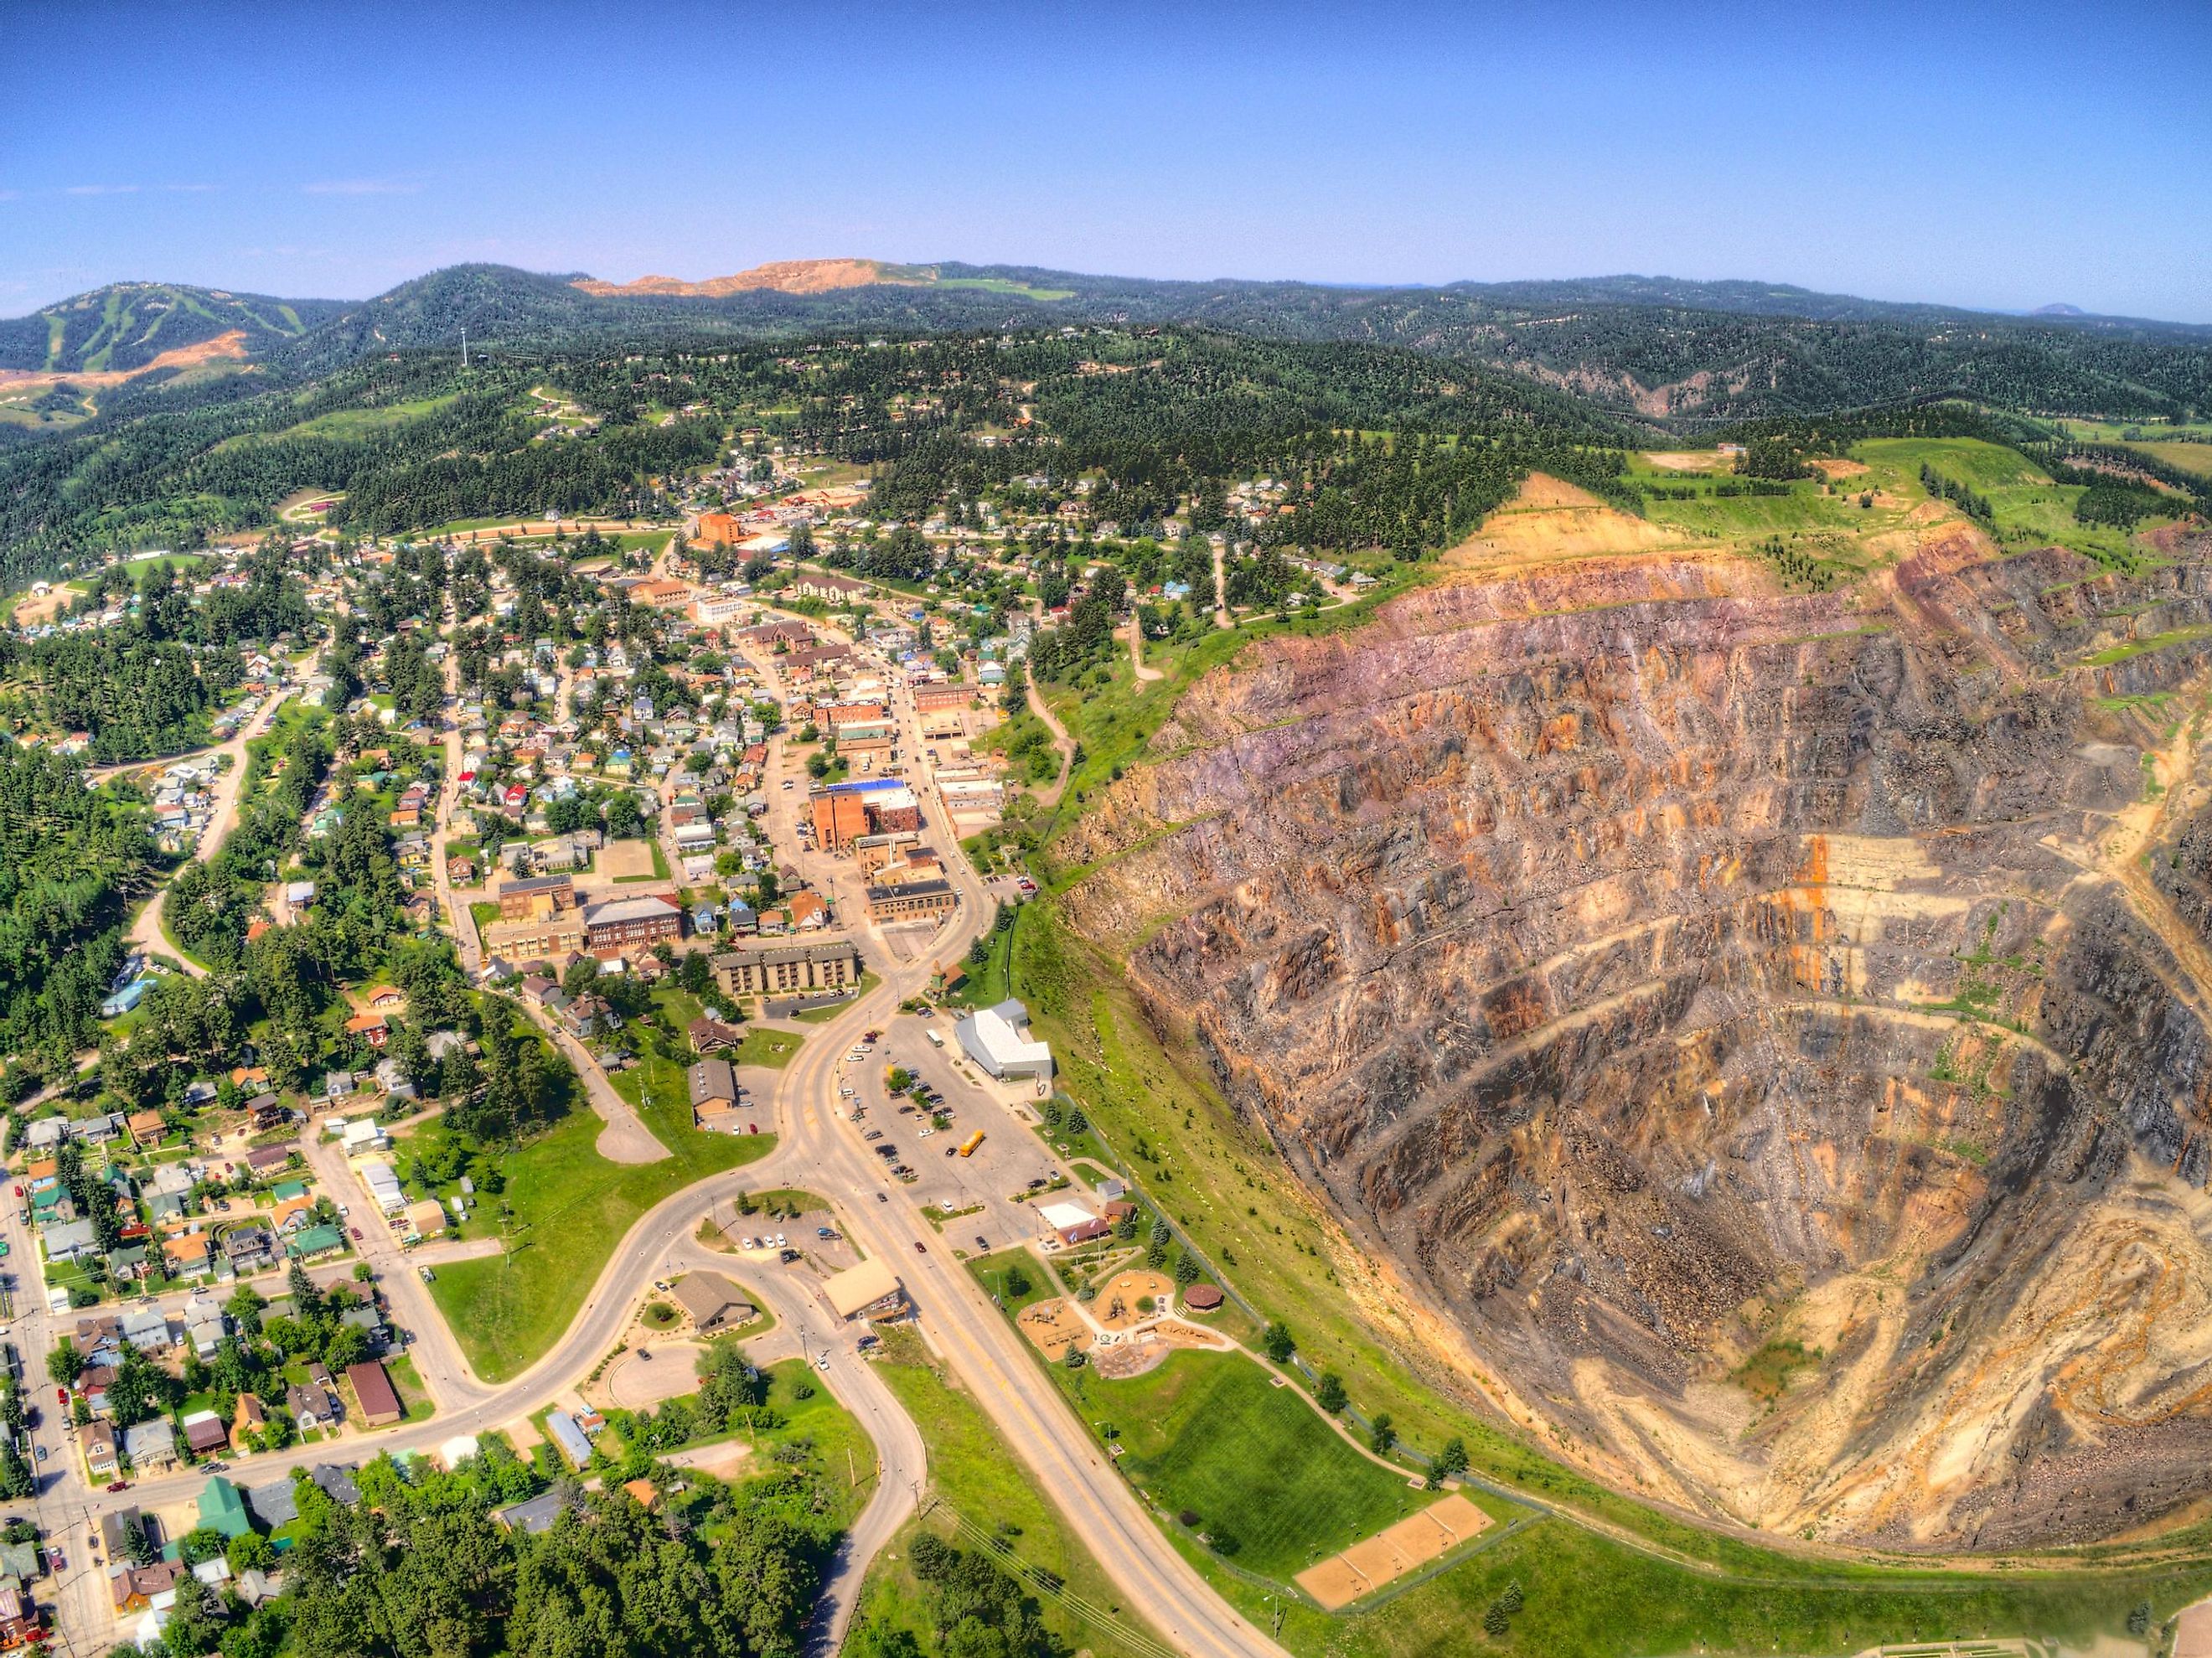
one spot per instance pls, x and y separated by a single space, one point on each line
1010 1156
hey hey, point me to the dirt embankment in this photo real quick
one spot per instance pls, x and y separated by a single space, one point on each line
782 276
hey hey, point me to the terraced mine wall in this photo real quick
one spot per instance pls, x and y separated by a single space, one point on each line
1772 1027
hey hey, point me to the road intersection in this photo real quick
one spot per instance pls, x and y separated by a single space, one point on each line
817 1148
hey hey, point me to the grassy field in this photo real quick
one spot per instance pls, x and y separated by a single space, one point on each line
570 1207
840 1449
344 424
973 1477
1210 1434
1829 525
2195 457
761 1045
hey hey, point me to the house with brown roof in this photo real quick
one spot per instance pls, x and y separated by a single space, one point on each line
146 1128
379 1403
711 1037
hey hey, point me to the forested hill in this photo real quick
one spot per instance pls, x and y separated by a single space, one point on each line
1684 355
127 326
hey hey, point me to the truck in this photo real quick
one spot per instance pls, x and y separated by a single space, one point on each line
967 1146
936 1037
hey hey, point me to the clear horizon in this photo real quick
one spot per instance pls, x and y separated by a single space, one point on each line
1992 158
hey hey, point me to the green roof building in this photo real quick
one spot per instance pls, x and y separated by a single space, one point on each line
222 1509
318 1241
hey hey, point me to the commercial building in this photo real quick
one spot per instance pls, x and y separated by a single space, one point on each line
933 699
713 1303
844 813
871 1289
781 969
911 901
715 1095
1072 1223
998 1039
558 933
624 925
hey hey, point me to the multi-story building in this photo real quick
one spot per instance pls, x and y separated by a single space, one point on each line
911 901
624 925
786 970
537 898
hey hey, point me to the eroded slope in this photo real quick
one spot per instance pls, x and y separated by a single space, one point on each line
1668 973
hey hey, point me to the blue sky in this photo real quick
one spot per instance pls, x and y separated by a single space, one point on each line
2005 156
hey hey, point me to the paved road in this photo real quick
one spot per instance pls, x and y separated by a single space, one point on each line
146 931
820 1150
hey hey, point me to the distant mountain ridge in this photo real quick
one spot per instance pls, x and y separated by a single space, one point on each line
1666 351
126 326
784 275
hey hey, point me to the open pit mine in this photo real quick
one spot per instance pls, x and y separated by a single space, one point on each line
1770 1028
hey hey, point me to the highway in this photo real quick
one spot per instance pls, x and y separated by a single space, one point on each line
817 1149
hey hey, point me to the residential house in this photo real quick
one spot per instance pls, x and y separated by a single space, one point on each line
710 1036
150 1444
311 1408
249 1249
247 1422
99 1452
72 1239
205 1433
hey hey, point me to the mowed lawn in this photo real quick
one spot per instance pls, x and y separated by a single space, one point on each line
571 1207
1269 1480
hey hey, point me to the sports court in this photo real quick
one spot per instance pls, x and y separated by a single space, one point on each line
1410 1544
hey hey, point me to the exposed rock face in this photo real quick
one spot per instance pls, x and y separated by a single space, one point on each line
1656 966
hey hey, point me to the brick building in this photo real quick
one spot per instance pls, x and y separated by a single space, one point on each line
624 925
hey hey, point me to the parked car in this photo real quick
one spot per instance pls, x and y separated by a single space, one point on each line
981 1243
427 1275
356 1230
119 1485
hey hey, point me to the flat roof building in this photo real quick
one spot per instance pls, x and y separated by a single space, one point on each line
998 1039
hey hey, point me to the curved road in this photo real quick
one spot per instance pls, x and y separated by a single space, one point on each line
821 1151
146 933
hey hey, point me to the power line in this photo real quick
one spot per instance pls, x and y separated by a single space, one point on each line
1049 1585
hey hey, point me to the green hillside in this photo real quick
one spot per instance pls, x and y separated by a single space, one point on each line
126 326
